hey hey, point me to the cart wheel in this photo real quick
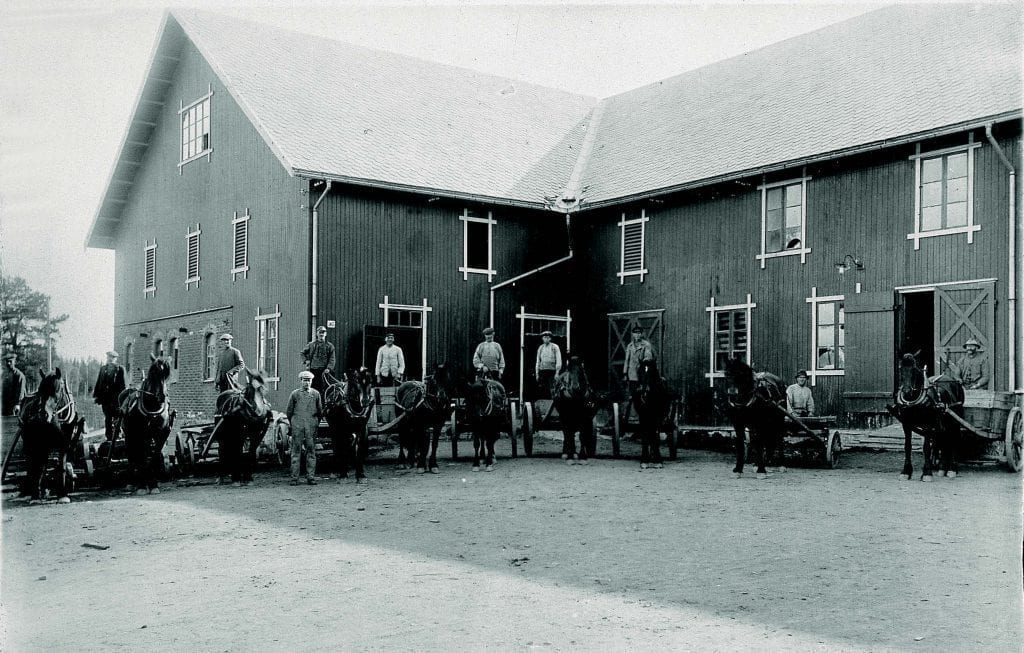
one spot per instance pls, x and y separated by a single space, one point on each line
617 431
528 428
180 457
282 443
514 426
455 437
1015 439
833 448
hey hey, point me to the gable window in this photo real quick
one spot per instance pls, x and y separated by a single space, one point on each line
477 244
240 245
209 357
266 344
150 283
784 219
828 335
632 247
174 360
195 129
944 192
192 257
729 336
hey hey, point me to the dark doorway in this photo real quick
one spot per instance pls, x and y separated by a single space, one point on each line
410 339
917 331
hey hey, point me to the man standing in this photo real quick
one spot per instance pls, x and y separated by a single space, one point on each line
109 384
304 411
488 357
390 362
799 399
637 351
973 366
549 362
14 387
229 362
318 357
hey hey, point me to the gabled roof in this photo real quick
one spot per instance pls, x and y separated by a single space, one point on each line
894 72
337 111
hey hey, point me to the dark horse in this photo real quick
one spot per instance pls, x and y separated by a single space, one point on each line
922 407
50 423
755 403
146 420
348 403
652 401
425 406
574 400
486 401
244 416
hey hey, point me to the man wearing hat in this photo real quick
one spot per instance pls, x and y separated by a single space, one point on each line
799 399
390 362
549 361
488 357
109 384
318 357
14 387
637 351
973 366
229 362
304 410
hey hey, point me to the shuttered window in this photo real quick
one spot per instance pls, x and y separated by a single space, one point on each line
240 245
150 283
192 257
633 248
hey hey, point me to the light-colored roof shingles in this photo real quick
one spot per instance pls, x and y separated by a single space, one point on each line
897 71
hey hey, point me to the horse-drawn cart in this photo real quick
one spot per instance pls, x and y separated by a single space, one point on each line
198 443
992 428
537 415
812 440
625 420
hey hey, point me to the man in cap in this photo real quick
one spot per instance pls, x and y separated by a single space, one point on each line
110 382
799 399
549 362
637 351
488 359
318 357
13 388
390 362
304 410
229 362
973 366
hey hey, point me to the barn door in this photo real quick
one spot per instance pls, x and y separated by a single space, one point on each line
870 351
531 325
620 328
961 313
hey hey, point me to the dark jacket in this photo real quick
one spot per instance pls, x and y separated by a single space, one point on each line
109 384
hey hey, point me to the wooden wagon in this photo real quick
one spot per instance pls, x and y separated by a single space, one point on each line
198 443
992 428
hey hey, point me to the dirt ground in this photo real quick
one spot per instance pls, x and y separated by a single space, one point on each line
536 555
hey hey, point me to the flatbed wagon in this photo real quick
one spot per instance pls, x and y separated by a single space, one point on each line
992 428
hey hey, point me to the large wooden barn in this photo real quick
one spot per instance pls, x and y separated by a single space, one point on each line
823 203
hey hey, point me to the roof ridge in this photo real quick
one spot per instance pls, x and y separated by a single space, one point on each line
570 198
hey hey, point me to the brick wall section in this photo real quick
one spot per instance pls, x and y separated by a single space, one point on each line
191 395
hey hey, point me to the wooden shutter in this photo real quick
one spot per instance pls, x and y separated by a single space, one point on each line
963 312
870 351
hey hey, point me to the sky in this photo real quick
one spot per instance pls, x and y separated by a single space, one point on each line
70 72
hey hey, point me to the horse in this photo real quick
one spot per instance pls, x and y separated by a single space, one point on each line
146 420
244 416
486 401
652 401
923 408
574 399
50 423
348 403
755 403
425 405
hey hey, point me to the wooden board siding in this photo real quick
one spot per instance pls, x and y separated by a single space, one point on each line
377 243
242 173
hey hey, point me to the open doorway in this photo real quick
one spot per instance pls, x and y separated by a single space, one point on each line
917 328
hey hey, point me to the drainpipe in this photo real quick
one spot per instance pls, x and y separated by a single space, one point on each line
1014 272
514 279
314 275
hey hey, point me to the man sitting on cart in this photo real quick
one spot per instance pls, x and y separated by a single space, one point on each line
973 366
799 399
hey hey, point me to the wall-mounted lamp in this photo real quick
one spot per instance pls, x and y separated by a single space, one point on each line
849 262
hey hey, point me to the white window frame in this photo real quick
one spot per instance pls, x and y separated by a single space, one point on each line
182 111
812 370
175 357
467 217
209 356
713 309
523 316
801 251
149 282
642 270
192 234
244 268
424 309
261 355
970 227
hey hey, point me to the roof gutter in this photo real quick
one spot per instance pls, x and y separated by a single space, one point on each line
1014 272
314 257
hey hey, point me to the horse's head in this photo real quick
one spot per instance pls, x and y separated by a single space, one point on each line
572 383
647 373
357 390
912 381
155 383
255 392
739 382
50 384
439 381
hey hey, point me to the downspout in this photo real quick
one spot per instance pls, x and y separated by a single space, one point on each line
314 274
1014 273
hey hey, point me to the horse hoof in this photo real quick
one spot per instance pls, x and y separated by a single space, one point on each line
156 490
435 470
644 465
489 468
782 469
926 479
581 461
565 456
904 477
940 473
570 461
421 471
361 480
761 476
64 500
658 466
141 492
951 474
476 468
737 474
